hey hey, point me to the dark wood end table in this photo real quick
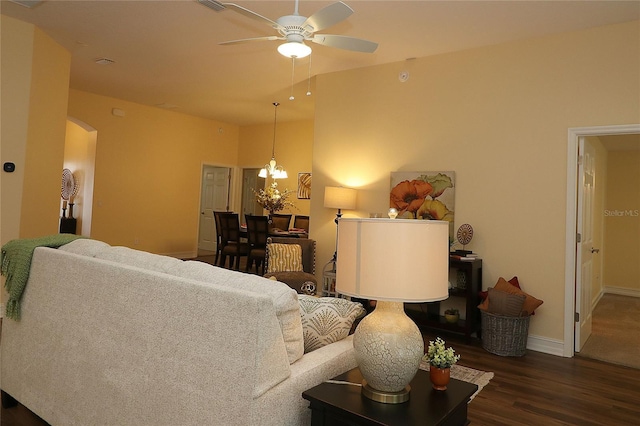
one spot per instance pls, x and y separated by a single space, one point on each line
343 404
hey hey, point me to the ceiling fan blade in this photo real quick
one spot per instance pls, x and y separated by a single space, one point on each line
328 16
253 15
344 42
247 40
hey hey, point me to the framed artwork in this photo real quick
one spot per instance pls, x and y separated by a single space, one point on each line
304 186
424 195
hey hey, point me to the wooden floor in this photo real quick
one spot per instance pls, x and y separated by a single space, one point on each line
536 389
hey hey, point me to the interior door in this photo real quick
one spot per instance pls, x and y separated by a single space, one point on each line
250 183
585 248
214 197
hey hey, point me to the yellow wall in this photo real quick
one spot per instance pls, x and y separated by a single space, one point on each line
148 171
622 222
497 116
35 80
294 145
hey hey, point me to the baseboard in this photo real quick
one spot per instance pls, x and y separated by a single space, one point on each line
545 345
632 292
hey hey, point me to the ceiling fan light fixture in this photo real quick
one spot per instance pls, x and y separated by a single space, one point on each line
294 49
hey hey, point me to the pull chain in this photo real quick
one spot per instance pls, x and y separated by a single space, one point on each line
309 79
293 69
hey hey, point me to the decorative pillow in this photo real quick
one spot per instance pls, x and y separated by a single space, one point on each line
530 302
284 258
503 303
513 281
326 320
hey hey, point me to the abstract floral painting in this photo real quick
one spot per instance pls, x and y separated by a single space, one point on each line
424 195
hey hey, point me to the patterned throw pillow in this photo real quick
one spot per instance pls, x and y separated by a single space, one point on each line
326 320
284 258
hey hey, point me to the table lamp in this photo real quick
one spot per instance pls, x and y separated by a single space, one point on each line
392 261
338 197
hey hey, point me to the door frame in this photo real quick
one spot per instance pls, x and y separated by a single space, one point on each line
574 136
232 198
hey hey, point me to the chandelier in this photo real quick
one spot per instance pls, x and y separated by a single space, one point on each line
272 168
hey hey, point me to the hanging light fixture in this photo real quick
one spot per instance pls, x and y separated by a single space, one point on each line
272 169
294 49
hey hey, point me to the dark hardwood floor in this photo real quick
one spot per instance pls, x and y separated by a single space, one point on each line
536 389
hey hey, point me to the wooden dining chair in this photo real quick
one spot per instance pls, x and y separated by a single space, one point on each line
301 222
257 234
280 221
219 244
232 247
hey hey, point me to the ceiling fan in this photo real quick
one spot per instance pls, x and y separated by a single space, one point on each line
295 29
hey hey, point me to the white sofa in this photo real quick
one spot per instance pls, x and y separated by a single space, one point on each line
115 336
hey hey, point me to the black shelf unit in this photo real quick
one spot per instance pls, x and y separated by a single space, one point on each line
427 315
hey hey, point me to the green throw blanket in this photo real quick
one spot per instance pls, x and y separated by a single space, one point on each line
16 263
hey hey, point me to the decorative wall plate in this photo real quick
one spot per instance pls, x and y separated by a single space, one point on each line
69 185
465 234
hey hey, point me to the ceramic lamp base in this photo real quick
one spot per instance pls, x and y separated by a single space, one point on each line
388 347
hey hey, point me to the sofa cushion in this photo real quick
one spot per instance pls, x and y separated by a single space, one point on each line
138 258
326 320
284 258
85 247
284 299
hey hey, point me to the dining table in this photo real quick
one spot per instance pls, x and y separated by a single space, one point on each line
291 233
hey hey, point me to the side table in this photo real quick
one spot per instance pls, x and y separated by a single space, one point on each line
343 404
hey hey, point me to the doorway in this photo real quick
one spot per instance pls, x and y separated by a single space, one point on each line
80 157
214 196
575 289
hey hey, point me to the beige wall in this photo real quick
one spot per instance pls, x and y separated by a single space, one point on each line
497 116
622 223
148 168
35 79
294 145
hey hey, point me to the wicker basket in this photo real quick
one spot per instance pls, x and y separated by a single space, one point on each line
504 336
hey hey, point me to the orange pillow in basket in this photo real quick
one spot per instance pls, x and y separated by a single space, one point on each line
530 302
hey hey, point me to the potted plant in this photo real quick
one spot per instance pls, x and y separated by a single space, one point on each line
452 315
440 360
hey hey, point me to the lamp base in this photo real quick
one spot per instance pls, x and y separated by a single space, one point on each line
385 397
388 347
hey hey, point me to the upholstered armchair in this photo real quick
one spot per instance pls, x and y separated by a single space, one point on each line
292 267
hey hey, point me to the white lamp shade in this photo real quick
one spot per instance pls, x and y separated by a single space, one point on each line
401 260
337 197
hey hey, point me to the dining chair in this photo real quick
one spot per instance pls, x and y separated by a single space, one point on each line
301 222
219 244
280 221
257 234
232 246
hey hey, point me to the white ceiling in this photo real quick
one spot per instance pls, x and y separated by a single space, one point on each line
167 52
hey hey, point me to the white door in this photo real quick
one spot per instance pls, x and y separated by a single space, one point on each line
250 183
214 197
584 249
